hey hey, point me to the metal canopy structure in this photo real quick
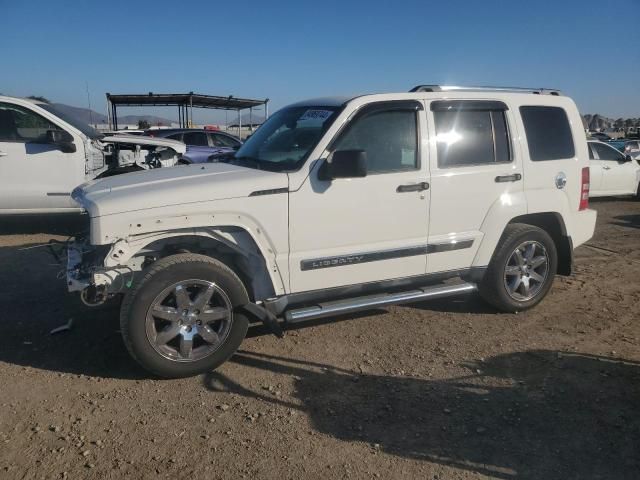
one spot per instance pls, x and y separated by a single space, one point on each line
185 103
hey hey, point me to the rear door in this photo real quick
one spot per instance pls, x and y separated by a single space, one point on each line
473 166
556 156
198 149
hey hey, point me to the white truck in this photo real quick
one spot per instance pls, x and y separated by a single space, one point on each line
45 154
336 205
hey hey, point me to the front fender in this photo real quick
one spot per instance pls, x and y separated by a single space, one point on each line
130 232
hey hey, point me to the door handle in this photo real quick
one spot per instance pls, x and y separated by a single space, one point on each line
606 167
413 187
508 178
3 154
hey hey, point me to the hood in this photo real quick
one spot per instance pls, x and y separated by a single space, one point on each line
180 185
179 147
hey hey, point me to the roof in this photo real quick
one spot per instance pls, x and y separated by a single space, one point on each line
197 100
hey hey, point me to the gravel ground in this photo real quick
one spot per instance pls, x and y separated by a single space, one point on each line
435 390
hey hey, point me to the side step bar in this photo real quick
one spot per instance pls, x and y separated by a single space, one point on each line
329 309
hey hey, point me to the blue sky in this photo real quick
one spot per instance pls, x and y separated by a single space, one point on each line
288 51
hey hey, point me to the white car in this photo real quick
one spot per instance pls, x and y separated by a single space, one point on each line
612 172
45 154
336 205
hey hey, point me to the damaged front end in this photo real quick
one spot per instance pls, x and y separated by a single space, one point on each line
86 272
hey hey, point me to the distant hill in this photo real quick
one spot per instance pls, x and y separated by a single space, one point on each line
91 117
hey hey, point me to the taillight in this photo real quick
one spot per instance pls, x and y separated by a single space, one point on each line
584 189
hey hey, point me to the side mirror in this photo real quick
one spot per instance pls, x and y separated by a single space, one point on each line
62 139
345 164
628 158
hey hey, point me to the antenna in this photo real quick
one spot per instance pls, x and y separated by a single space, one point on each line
89 103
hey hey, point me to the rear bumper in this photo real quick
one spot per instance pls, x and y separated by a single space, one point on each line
583 227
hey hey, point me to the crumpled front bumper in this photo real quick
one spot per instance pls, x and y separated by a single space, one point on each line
78 278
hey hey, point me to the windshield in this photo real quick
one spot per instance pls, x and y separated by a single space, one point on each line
75 122
286 139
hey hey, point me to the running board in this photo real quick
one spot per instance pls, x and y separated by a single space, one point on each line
328 309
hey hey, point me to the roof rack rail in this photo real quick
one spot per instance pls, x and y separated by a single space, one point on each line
448 88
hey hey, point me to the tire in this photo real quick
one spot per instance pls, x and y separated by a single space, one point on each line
508 270
156 309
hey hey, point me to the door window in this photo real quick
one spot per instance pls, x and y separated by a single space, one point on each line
19 124
389 137
175 136
223 141
605 152
548 133
198 139
471 137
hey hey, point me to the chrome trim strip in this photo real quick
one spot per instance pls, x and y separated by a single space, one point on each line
365 257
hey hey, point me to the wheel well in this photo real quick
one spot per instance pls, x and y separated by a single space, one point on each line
553 224
245 258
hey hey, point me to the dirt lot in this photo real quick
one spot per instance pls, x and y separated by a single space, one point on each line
434 390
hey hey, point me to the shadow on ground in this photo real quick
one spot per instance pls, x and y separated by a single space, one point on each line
631 221
34 301
525 415
61 224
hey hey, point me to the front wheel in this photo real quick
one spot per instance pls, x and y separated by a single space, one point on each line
180 319
522 269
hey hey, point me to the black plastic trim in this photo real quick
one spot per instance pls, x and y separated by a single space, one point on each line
328 262
365 257
273 191
449 246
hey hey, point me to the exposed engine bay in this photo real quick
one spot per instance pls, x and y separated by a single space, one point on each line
126 153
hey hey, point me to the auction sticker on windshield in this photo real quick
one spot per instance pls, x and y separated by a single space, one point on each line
316 115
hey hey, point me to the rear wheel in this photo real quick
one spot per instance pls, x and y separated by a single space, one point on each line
522 269
180 319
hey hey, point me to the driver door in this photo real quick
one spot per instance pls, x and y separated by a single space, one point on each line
34 175
349 231
618 176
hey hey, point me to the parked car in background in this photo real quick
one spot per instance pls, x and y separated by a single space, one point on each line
45 154
632 147
201 144
612 172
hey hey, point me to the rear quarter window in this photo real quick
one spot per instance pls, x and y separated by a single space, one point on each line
548 133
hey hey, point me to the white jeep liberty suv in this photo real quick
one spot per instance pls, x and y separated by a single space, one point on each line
336 205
